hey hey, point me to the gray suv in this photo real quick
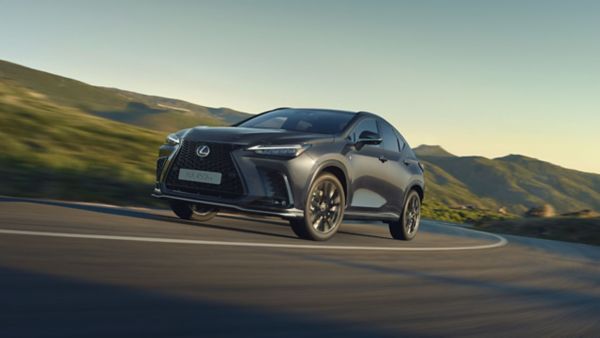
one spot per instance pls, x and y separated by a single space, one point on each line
313 167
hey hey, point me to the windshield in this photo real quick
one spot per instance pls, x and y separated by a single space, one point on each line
302 120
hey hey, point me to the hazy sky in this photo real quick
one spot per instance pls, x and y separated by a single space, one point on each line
477 77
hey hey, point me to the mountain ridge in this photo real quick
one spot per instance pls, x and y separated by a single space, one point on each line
516 182
149 111
433 150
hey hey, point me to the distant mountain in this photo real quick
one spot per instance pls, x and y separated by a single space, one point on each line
428 150
151 112
516 182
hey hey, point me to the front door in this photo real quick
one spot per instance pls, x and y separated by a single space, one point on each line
368 183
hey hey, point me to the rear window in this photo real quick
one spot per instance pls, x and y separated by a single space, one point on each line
390 140
302 120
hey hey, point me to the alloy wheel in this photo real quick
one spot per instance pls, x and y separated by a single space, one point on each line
325 206
412 214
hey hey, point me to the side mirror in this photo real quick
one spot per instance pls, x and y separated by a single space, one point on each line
367 137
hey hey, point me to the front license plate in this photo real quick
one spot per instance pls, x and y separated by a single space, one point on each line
201 176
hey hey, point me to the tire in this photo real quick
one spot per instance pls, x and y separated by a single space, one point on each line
323 211
299 228
408 225
193 211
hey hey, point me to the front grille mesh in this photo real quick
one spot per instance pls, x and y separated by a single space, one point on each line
219 160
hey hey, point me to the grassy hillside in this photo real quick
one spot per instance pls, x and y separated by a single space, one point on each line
516 182
54 151
151 112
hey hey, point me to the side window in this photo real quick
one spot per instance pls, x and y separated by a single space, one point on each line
366 124
401 142
390 140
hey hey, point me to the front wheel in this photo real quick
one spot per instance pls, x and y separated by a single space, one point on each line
193 211
324 209
406 228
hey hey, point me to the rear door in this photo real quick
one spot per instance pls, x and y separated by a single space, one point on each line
395 170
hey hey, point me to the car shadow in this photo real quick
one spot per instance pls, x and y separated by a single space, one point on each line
363 235
42 305
141 214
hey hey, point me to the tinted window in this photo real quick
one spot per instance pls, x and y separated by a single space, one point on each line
366 124
401 142
311 121
390 140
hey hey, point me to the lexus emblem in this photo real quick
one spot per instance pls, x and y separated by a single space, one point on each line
202 151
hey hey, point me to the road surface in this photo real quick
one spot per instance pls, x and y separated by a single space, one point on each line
85 270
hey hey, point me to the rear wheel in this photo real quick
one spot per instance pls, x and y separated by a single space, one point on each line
193 211
324 209
408 225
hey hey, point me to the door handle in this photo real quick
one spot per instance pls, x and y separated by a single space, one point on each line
406 162
383 159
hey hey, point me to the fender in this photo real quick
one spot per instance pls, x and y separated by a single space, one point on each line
414 183
329 163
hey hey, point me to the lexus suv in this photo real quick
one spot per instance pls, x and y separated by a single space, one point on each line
313 167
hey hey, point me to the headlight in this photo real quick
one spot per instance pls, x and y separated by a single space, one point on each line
173 139
291 150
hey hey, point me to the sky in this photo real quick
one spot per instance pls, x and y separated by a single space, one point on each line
487 78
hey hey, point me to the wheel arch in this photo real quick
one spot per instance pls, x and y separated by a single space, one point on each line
417 186
337 169
419 189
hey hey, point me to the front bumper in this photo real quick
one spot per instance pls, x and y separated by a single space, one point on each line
257 196
286 213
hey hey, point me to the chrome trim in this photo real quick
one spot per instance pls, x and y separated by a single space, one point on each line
267 147
168 163
289 213
172 139
288 189
202 151
167 166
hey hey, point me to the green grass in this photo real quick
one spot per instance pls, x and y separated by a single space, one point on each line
59 152
442 212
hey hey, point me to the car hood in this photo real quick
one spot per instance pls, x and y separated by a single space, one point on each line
252 136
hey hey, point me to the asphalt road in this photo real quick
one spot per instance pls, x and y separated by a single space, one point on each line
98 271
